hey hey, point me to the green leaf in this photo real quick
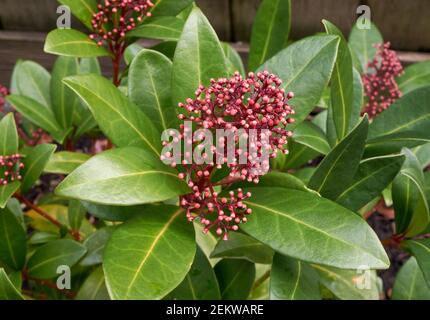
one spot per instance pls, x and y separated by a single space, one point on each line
360 284
138 177
342 92
235 278
161 28
240 246
8 136
410 283
415 76
421 250
169 7
293 279
149 90
117 117
147 258
289 221
114 213
298 155
233 59
358 99
198 57
206 242
312 136
404 124
305 68
270 31
200 283
65 162
76 214
38 114
7 290
343 161
63 99
46 259
131 52
82 9
32 80
7 191
373 176
35 163
73 43
95 245
361 42
13 237
409 198
167 48
423 155
94 287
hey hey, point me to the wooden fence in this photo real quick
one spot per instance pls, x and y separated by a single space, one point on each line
406 23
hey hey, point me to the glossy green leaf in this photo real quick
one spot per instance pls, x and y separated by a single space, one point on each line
404 124
117 117
7 191
206 242
342 92
161 28
131 52
299 155
94 287
7 289
311 136
358 102
95 245
305 68
270 31
147 258
423 154
150 91
361 42
8 136
46 259
289 221
410 283
293 279
114 213
240 246
169 7
200 283
76 214
73 43
138 177
32 80
65 162
198 57
421 250
13 237
35 163
415 76
409 198
63 99
343 161
235 278
38 114
373 176
167 48
233 59
359 284
82 9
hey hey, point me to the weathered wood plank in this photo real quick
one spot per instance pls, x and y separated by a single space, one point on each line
218 13
406 24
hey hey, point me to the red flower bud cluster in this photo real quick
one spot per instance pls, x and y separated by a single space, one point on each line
10 167
379 82
117 17
3 93
241 106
